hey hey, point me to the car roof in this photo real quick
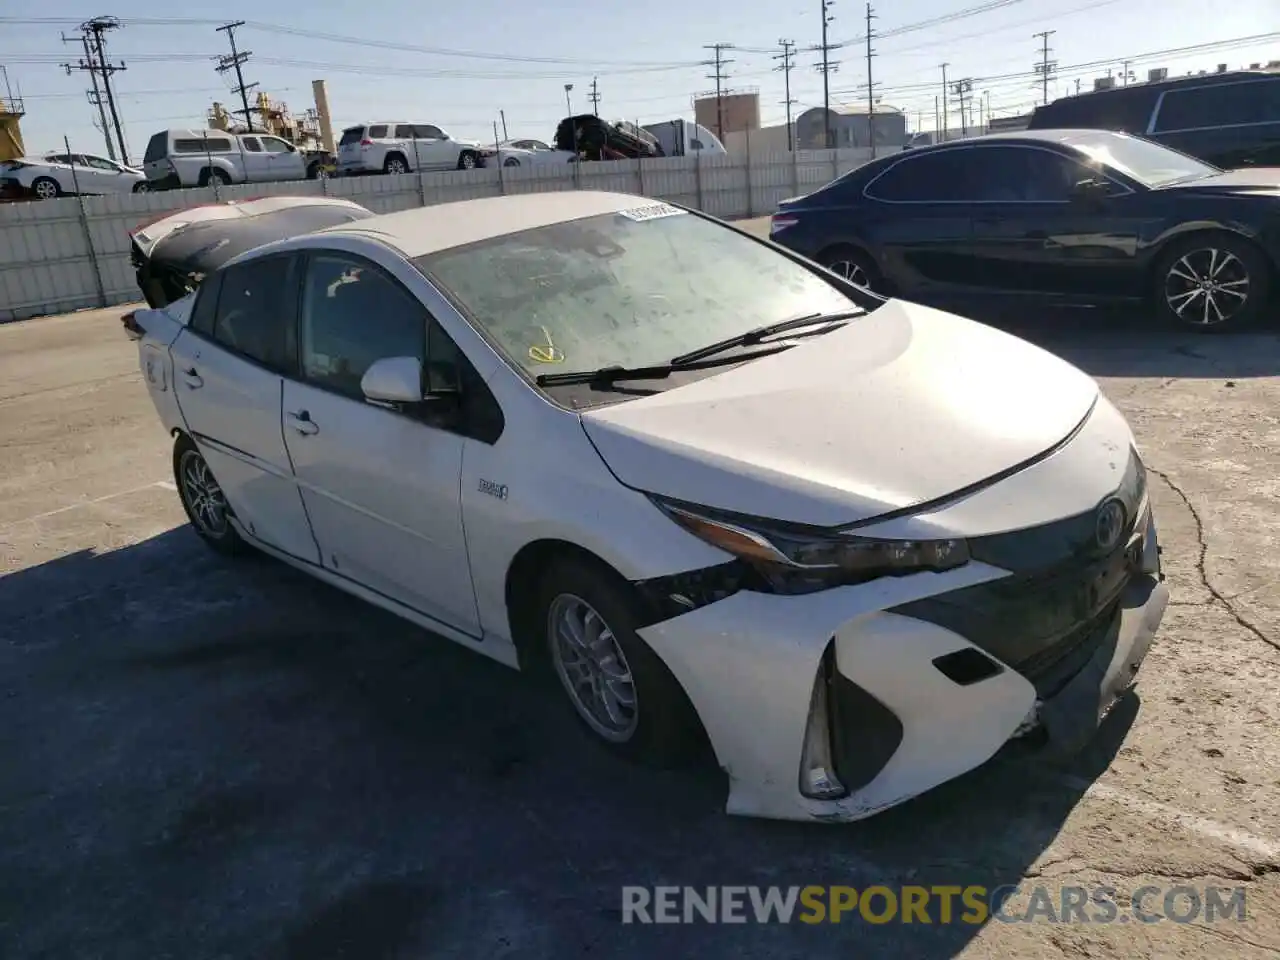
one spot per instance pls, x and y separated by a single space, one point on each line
1155 87
1066 135
425 230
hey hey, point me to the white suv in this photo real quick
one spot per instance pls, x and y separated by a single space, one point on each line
398 147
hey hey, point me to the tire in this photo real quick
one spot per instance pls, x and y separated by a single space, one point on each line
511 162
467 160
46 188
142 187
854 265
661 728
1238 278
209 174
190 472
394 165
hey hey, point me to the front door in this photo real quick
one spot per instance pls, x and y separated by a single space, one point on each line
227 379
381 486
257 162
286 162
1032 237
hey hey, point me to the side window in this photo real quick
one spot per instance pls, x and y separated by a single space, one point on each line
378 131
251 144
1221 105
1022 175
695 144
352 315
929 178
97 163
254 310
206 306
426 131
58 158
275 145
404 131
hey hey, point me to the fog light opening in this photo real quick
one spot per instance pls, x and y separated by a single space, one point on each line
818 779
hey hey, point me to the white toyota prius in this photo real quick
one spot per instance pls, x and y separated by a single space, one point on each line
860 545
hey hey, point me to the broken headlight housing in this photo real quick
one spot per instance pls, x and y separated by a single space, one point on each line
793 560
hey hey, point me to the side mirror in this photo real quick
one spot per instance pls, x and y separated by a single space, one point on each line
393 380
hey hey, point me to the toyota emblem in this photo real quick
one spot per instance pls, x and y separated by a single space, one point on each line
1110 524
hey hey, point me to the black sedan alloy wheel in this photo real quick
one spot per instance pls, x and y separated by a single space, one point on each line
1207 287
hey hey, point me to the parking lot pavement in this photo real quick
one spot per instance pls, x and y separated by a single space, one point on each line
204 758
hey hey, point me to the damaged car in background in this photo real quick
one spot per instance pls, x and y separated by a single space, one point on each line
172 253
715 490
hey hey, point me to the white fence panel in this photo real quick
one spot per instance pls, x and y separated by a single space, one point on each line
73 253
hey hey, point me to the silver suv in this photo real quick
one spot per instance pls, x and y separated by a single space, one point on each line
402 147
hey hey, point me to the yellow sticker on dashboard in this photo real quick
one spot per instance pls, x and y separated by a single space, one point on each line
546 352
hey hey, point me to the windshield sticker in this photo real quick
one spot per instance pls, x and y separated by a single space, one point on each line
546 352
651 211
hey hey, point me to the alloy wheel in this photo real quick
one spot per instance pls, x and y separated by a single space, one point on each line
141 187
1207 287
203 495
468 162
851 271
396 166
45 189
592 667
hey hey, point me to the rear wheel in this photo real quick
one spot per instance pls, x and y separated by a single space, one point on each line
511 162
854 265
210 175
203 500
395 165
1211 283
620 689
46 188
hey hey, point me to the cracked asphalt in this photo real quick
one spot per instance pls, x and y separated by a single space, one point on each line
208 759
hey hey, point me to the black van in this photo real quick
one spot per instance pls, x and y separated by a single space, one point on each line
1227 119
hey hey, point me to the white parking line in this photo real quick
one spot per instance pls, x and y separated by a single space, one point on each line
166 484
1242 841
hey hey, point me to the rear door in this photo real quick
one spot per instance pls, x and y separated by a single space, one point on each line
1230 125
228 367
349 148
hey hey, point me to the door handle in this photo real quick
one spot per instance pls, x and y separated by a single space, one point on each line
193 379
301 421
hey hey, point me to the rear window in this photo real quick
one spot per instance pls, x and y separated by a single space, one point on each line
202 145
378 131
351 135
155 148
1220 105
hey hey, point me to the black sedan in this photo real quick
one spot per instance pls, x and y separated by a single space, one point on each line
1071 217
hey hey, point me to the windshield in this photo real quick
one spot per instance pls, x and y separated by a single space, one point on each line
1149 163
634 288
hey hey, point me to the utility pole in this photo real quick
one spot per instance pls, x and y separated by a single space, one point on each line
1124 82
945 119
826 68
594 96
964 90
871 87
788 58
92 34
90 64
1046 67
234 62
719 62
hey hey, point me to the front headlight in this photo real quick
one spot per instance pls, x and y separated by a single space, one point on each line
798 560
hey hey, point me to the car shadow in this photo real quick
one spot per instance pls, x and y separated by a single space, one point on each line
227 758
1132 343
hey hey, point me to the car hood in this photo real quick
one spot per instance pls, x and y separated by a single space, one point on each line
900 408
1265 180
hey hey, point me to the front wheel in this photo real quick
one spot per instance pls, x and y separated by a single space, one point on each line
142 187
467 161
203 500
1212 283
620 689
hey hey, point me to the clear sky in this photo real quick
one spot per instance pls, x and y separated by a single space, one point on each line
646 55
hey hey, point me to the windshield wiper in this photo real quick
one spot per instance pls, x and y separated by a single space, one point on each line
759 334
660 371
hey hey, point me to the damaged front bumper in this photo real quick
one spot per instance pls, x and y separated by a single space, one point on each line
901 703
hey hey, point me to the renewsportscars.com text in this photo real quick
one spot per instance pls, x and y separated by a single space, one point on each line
972 904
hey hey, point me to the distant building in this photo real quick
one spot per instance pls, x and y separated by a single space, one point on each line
763 141
736 111
851 126
996 124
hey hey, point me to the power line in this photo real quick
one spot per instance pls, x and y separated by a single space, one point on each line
788 58
826 67
871 88
235 62
1046 67
594 96
719 76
